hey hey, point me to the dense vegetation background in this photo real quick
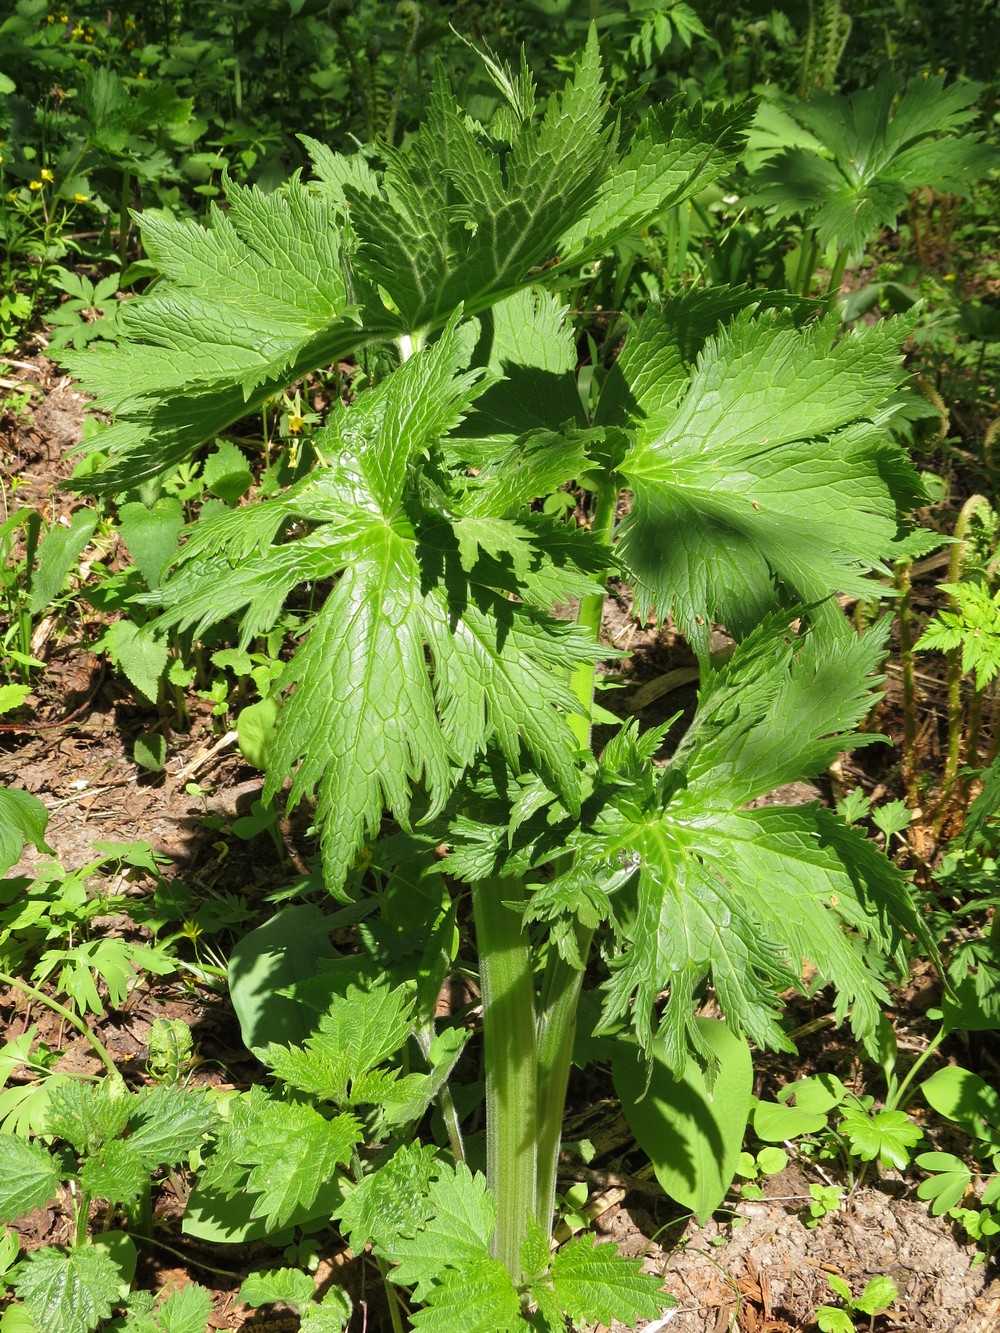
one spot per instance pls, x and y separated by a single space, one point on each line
234 1013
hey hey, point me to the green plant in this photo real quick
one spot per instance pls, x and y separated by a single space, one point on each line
823 1200
436 686
754 1167
969 632
847 165
112 1142
859 1131
879 1295
973 1105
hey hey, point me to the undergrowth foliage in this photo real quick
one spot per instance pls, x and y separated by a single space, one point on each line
434 682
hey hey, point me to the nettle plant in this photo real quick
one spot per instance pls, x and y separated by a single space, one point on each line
438 697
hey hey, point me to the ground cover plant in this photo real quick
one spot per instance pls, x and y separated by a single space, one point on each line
396 612
434 680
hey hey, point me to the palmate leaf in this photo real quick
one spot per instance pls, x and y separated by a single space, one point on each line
419 656
881 144
740 895
280 284
769 478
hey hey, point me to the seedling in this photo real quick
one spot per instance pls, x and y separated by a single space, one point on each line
879 1295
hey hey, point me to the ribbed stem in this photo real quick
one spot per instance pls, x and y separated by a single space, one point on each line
556 1034
563 982
507 985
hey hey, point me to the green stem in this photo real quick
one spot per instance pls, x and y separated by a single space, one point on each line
808 255
955 563
582 679
900 1101
100 1050
836 277
904 578
82 1202
511 1069
556 1034
563 982
123 216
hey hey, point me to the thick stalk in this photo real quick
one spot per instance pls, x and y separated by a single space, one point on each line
563 982
556 1034
509 1036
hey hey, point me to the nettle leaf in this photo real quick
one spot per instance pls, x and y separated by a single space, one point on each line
88 1115
29 1177
391 1202
456 1234
477 1298
331 1315
594 1283
68 1291
284 1154
168 1123
116 1173
745 895
360 1030
769 478
289 1285
186 1309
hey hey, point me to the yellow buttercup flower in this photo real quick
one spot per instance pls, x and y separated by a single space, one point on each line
47 175
295 424
34 185
80 198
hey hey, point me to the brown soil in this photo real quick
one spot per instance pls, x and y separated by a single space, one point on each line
761 1271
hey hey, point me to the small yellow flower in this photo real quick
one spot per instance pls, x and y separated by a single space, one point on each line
1 158
949 277
80 198
51 18
47 175
63 18
78 32
34 185
295 424
130 25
